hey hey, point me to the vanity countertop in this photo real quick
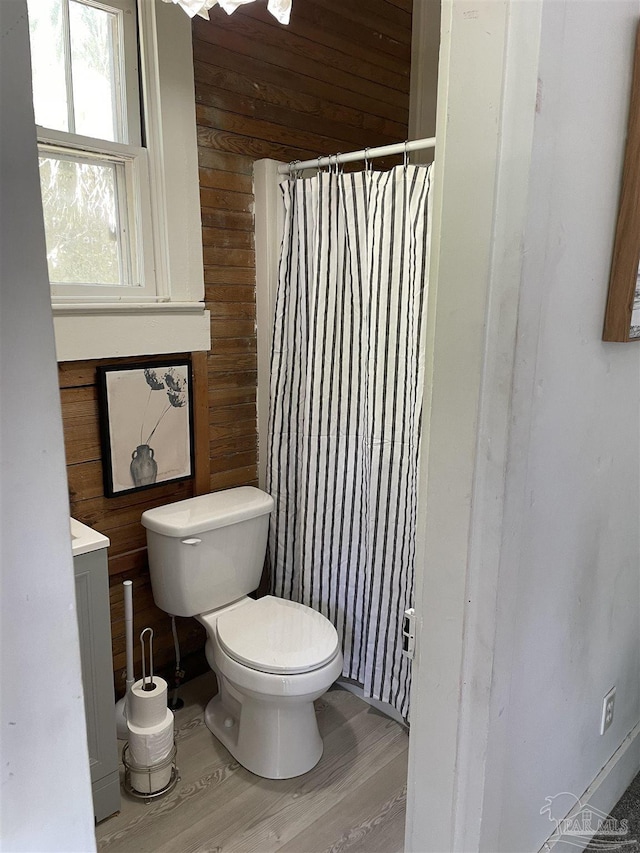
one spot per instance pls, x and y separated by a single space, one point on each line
84 539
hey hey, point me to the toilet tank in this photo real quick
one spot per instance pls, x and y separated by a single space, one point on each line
207 551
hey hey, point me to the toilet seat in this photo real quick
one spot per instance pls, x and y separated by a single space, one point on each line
272 635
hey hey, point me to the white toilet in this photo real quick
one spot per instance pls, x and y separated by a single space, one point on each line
272 658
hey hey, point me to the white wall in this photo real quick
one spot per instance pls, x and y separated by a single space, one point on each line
569 596
46 790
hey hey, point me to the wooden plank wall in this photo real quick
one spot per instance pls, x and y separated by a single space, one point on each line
119 519
336 79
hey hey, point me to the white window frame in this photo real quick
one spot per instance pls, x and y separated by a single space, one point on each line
125 151
174 319
135 202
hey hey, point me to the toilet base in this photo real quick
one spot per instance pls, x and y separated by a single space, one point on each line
272 740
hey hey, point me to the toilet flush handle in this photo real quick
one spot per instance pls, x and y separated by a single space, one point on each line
191 541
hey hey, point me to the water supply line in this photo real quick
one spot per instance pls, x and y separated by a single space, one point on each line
176 703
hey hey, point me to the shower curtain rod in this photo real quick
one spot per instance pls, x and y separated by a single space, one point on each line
352 156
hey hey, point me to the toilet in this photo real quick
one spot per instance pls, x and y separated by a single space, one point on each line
272 658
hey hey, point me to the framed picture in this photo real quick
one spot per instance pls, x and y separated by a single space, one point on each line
622 317
146 425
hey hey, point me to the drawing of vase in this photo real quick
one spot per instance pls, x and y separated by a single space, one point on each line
143 467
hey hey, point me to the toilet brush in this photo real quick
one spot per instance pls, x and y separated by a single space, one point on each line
121 709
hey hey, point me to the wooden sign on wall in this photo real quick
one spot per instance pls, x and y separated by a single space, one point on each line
622 317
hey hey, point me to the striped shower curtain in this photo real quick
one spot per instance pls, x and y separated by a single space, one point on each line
346 392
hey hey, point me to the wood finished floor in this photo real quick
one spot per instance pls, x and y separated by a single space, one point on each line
352 801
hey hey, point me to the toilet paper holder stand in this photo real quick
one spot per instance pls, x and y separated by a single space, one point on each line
131 767
151 684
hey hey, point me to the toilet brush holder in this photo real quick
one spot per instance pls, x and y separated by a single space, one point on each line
150 782
121 713
121 704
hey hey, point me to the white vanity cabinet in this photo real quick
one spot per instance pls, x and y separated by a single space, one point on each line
94 624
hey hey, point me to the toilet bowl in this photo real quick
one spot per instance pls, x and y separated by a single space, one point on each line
272 658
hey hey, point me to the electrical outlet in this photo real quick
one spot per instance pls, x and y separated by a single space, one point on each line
608 704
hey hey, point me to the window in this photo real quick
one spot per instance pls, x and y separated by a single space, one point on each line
114 104
93 171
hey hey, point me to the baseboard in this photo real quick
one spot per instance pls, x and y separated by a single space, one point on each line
607 788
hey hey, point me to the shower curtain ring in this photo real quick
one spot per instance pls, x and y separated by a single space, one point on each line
337 163
368 165
406 155
292 168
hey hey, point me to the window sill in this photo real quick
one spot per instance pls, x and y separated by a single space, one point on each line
124 329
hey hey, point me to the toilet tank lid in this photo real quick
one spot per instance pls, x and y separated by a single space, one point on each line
208 512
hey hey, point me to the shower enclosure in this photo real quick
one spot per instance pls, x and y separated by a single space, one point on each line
345 394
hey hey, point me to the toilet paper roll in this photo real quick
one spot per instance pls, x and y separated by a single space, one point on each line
147 707
151 781
149 745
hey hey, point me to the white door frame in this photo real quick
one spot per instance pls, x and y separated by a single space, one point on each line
43 724
486 106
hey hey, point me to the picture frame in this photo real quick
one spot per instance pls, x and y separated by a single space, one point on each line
146 424
622 315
